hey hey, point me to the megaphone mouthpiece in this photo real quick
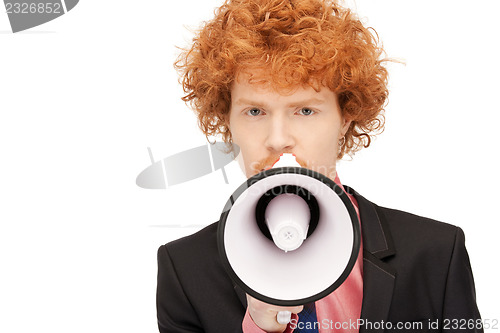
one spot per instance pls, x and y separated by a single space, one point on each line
287 217
286 160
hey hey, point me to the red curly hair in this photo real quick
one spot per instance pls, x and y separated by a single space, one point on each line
294 42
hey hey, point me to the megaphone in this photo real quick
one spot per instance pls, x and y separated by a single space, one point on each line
288 236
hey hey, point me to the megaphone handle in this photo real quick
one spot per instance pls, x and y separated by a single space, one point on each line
284 317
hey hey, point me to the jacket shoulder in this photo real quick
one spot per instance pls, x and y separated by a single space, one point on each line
198 242
401 221
196 257
388 230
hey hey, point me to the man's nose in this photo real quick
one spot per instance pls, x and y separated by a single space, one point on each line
280 137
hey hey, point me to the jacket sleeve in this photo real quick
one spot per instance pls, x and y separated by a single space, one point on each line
174 311
460 312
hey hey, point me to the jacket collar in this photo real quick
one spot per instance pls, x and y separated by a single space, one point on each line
377 239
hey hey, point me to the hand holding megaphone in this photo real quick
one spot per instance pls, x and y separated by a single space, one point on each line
270 318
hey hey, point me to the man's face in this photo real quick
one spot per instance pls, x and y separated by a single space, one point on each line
265 124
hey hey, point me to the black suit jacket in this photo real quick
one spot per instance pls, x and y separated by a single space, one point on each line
415 270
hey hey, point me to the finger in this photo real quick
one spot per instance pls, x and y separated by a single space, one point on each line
283 317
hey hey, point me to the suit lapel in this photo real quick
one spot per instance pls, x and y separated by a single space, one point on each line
378 276
242 296
378 285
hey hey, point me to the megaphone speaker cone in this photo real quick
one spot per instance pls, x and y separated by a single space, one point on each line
283 262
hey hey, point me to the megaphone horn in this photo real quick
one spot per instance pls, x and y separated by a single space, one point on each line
280 228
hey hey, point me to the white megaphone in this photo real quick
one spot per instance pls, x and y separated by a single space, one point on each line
288 236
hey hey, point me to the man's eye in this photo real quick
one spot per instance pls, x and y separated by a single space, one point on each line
306 112
254 112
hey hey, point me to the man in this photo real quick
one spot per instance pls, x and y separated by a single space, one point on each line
306 77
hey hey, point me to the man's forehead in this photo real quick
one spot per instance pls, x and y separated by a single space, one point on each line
260 79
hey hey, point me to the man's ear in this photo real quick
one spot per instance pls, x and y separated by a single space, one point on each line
345 126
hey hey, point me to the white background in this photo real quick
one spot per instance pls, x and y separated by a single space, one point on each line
83 96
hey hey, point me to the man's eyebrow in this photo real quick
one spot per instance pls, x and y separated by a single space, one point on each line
305 102
245 101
